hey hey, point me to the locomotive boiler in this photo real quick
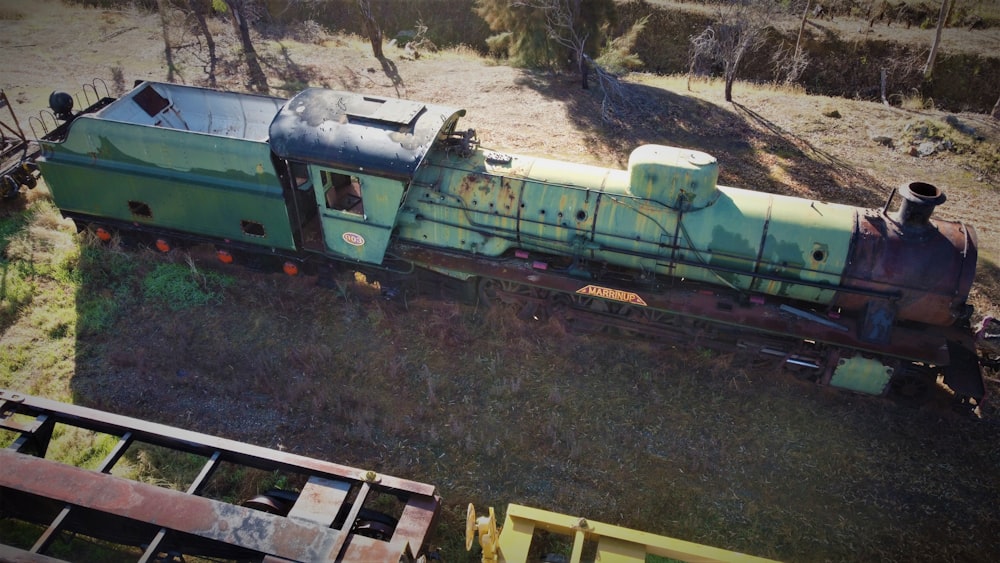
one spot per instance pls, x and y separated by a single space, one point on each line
870 300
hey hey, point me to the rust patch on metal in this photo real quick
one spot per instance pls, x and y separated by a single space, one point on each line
931 269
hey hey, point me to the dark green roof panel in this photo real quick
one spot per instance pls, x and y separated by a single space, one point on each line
381 136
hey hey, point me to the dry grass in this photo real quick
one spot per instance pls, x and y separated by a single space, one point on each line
493 410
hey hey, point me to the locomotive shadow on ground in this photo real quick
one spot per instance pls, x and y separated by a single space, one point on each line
740 138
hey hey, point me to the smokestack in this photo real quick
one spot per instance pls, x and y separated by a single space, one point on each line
919 201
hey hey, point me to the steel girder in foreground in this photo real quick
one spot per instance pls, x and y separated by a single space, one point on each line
324 521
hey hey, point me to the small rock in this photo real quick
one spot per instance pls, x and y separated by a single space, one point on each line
926 148
832 113
883 140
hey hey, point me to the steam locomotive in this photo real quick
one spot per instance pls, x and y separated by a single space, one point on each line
869 300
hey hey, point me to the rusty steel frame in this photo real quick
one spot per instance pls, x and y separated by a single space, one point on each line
949 347
13 128
98 504
17 152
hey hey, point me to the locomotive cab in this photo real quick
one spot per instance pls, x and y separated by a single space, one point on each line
361 153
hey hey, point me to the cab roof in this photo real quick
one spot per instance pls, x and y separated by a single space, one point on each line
359 132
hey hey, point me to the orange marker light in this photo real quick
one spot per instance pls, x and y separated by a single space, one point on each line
103 234
291 268
162 245
224 256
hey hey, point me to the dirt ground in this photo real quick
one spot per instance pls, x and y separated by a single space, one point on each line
772 140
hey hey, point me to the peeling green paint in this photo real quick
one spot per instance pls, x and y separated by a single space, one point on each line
190 182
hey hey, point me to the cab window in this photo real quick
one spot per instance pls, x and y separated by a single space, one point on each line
342 192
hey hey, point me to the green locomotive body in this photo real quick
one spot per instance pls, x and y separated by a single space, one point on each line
336 177
185 159
492 203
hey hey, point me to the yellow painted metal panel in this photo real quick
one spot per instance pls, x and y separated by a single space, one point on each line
615 550
615 543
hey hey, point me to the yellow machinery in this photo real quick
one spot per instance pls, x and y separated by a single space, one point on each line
613 543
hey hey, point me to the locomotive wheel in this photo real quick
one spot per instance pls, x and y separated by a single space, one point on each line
574 314
911 384
374 524
562 311
653 317
528 302
274 501
802 373
609 310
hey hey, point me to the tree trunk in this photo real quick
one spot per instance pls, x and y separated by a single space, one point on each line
372 30
258 81
996 110
200 8
168 51
942 18
802 27
731 68
884 79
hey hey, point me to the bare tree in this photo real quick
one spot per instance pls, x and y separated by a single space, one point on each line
562 19
791 63
372 29
545 33
802 27
200 9
240 10
737 30
943 15
565 23
176 21
163 7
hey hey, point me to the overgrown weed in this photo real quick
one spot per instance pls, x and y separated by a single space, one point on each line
181 287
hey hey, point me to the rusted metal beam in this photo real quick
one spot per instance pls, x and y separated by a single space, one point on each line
119 510
229 524
192 442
